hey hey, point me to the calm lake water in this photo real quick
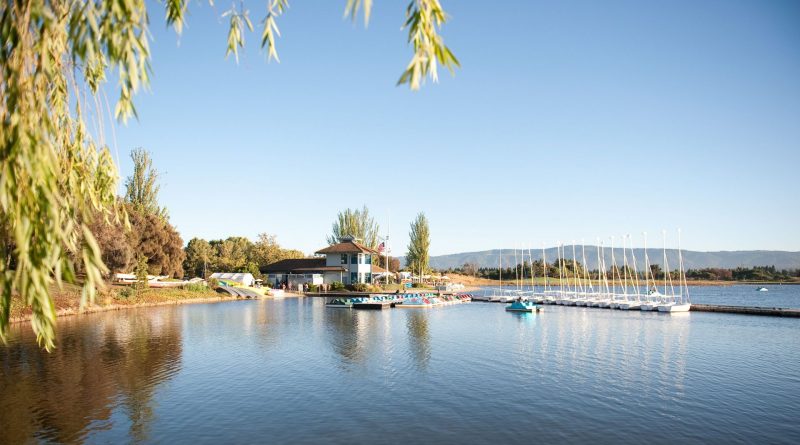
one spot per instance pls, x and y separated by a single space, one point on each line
294 371
786 296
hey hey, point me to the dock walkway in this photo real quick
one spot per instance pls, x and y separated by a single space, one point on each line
747 310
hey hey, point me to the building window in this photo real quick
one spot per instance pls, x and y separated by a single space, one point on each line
353 277
354 259
344 258
367 259
368 277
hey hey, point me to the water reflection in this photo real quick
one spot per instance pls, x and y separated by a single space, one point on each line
419 337
295 371
110 361
343 334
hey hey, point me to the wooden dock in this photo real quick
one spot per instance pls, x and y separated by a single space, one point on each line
746 310
374 305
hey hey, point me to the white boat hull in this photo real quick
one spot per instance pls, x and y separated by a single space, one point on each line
686 307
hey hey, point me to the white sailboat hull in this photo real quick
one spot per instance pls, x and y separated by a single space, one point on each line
685 307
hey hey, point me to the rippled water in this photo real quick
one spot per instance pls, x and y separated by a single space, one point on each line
785 296
293 371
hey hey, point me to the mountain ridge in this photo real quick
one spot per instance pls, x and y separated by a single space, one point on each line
725 259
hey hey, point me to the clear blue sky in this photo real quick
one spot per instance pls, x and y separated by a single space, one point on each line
568 120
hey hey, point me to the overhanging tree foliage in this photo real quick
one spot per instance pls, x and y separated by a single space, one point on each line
55 179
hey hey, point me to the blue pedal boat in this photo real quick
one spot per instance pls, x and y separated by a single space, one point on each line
522 306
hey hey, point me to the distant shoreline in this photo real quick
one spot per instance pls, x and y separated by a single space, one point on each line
539 281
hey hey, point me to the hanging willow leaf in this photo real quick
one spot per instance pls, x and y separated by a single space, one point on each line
271 31
424 18
353 6
54 177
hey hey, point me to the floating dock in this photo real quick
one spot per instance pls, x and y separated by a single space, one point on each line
722 309
746 310
374 305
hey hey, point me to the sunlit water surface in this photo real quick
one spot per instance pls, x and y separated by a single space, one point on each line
294 371
784 296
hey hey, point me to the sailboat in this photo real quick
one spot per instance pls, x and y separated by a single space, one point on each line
654 298
678 303
500 295
550 297
630 278
635 302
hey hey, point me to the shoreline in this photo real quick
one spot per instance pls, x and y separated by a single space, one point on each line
204 298
95 308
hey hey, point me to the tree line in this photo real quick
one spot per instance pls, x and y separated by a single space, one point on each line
570 269
143 234
234 254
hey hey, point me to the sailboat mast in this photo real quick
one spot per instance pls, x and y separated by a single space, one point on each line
603 268
635 269
624 269
501 270
647 270
613 264
561 268
586 277
516 267
682 269
575 269
533 272
544 267
667 274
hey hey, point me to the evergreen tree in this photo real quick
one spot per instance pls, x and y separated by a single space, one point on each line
200 258
356 223
419 243
141 188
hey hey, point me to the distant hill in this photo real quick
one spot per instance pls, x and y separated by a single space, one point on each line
691 259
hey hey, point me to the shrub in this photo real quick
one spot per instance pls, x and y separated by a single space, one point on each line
126 293
337 285
212 283
360 287
417 285
196 287
313 288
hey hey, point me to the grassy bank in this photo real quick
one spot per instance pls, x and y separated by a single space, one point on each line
68 300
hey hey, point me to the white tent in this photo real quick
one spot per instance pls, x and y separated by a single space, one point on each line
245 279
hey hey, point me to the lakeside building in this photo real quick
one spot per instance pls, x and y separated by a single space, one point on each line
347 262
